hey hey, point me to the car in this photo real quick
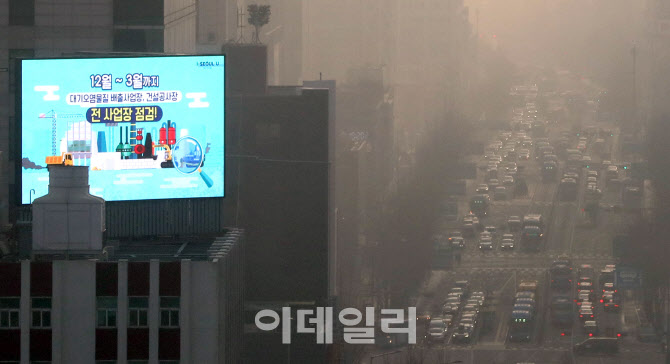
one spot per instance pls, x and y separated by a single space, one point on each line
508 180
482 189
457 289
493 183
511 169
571 175
592 173
437 331
591 328
609 286
586 314
610 303
478 295
584 278
470 314
495 158
590 296
606 164
598 345
507 244
473 301
464 285
491 230
463 333
500 193
592 189
457 242
585 285
583 295
591 180
587 304
485 245
471 308
514 223
486 235
448 320
452 306
563 259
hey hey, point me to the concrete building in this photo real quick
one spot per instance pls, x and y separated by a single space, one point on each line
130 302
278 191
653 60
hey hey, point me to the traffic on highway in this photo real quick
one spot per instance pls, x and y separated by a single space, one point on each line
532 273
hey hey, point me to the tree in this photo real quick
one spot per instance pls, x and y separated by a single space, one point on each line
259 15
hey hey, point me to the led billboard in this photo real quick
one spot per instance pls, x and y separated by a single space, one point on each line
147 127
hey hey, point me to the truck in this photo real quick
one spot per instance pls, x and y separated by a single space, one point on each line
64 159
562 312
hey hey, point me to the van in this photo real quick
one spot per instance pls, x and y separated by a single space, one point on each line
598 345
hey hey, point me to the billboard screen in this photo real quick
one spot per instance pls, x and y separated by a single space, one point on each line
147 127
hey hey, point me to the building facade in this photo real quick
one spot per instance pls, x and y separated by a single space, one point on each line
277 158
123 311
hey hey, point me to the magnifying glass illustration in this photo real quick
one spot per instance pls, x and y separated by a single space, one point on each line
187 156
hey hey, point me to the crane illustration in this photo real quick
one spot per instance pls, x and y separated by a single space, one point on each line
53 115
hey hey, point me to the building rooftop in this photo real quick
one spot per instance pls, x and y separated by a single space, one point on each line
200 247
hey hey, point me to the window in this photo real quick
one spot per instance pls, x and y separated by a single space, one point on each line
138 40
138 12
9 313
169 311
21 12
137 311
106 311
41 313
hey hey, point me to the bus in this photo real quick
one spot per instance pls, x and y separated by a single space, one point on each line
562 312
561 277
567 190
631 197
549 171
521 326
442 252
479 205
532 232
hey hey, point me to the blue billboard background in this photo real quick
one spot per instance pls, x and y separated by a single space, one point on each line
128 120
